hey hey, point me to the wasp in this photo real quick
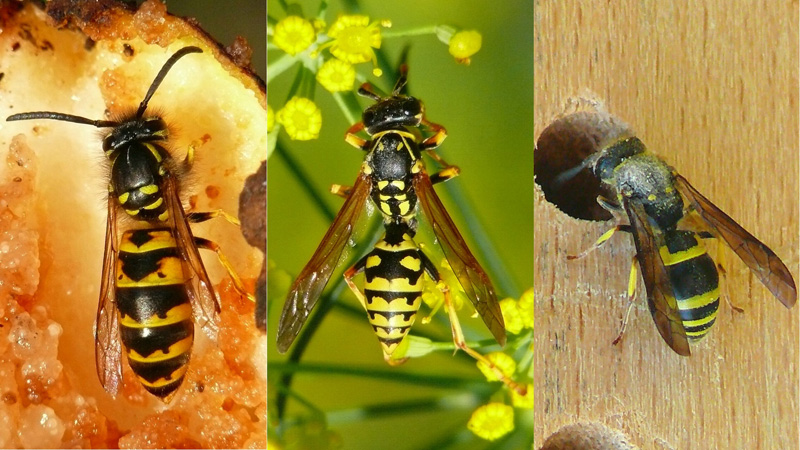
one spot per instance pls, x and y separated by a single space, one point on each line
394 177
669 219
154 285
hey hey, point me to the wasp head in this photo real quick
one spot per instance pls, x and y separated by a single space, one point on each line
394 111
143 129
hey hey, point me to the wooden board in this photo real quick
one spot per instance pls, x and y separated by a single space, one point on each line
711 87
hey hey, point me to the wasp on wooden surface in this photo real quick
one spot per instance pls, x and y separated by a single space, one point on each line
154 285
394 177
669 219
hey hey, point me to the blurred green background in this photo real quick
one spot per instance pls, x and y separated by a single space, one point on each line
487 108
224 20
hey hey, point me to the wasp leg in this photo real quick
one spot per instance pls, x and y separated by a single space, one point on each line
632 281
237 282
445 174
197 217
350 273
357 142
340 190
434 141
189 159
600 241
458 333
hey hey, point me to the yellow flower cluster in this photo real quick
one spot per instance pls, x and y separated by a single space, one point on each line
294 34
301 118
492 421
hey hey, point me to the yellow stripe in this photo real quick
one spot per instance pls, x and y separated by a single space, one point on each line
699 301
407 244
174 315
399 304
170 272
697 334
174 376
123 198
176 349
153 150
411 263
404 207
396 333
700 322
149 189
394 285
158 240
405 134
155 204
670 259
396 321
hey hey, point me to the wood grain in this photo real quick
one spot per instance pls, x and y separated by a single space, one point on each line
711 87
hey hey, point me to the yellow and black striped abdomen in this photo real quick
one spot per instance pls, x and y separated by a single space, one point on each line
155 313
393 289
694 278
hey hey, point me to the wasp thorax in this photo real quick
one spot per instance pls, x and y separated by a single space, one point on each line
135 130
392 112
613 155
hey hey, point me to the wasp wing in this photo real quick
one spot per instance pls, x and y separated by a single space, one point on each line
205 307
308 286
107 347
758 257
660 296
473 279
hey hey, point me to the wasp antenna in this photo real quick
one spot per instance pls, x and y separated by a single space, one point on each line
163 73
366 90
402 80
62 117
569 174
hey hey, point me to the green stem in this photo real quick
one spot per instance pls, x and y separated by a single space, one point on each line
302 177
392 33
475 385
428 405
281 65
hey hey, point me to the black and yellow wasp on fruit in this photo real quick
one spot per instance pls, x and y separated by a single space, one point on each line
669 219
154 285
394 177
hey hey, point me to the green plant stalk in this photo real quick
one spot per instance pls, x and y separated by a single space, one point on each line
429 405
475 385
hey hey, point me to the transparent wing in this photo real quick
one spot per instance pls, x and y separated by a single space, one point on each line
205 307
308 286
660 296
466 268
107 347
758 257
